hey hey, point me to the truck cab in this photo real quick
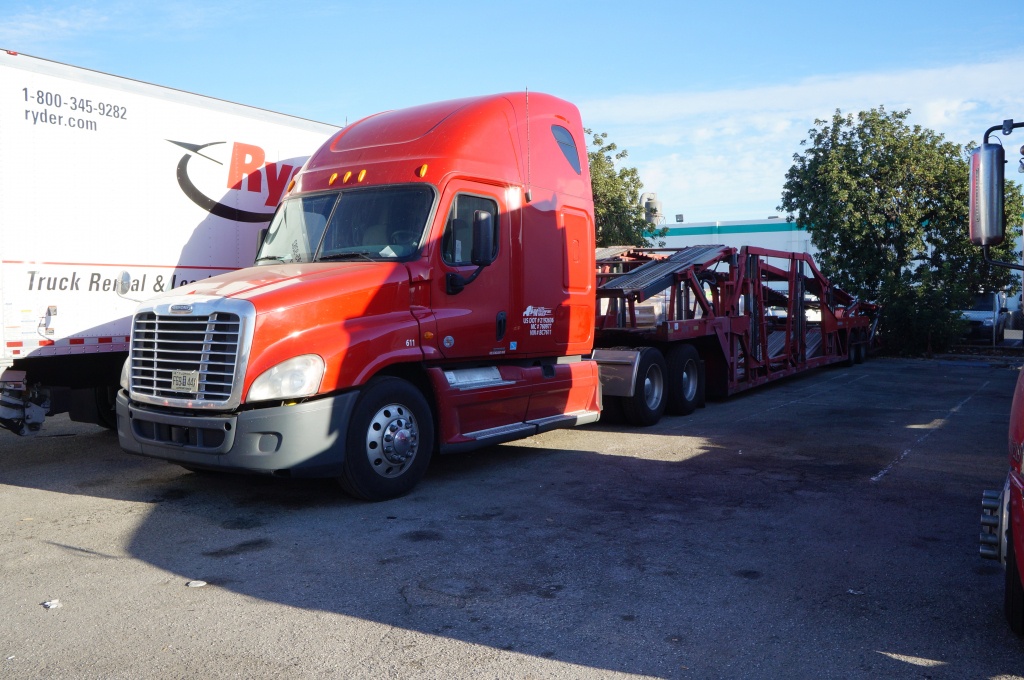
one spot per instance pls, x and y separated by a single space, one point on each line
426 284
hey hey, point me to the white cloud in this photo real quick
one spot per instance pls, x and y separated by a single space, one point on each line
47 30
26 30
723 155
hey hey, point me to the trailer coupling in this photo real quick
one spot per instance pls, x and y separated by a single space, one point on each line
22 408
995 515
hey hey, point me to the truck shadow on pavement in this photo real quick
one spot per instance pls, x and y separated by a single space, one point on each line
684 559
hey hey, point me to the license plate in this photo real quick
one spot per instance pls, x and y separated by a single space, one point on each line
185 381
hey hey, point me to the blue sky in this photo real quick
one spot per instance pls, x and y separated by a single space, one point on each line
710 99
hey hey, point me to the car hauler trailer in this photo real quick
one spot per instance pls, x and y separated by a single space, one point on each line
716 320
429 284
1002 512
100 174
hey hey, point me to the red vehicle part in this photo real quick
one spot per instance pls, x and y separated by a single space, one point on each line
1002 518
429 285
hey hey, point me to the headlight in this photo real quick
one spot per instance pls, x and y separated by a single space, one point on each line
125 372
297 377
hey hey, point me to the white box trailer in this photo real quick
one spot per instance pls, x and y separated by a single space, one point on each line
101 175
773 233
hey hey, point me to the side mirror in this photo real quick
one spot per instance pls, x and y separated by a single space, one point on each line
482 255
124 283
124 286
483 238
987 223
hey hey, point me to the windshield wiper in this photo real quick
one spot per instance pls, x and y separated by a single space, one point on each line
364 254
270 258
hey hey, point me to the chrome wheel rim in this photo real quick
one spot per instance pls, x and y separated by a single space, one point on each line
392 440
654 387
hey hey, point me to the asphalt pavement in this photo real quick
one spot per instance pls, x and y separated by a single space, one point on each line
822 527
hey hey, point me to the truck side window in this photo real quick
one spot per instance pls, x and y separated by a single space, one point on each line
568 146
457 241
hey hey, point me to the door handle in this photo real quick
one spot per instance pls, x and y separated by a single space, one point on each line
500 324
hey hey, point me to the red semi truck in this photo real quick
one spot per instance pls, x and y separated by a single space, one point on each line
430 283
1002 515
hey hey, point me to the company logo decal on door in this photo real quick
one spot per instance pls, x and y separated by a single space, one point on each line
538 320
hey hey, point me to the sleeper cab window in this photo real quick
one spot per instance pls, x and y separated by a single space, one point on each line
568 146
457 242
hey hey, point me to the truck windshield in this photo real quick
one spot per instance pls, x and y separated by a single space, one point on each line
375 223
984 303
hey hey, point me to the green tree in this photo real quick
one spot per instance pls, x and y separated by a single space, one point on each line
886 205
618 215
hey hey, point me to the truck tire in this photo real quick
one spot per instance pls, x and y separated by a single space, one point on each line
685 380
860 350
106 399
1013 595
390 441
851 349
611 410
648 402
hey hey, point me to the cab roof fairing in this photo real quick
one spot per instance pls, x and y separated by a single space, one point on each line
487 138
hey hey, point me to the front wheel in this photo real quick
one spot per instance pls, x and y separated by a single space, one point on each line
390 441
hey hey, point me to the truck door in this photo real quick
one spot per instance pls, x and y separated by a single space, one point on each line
473 322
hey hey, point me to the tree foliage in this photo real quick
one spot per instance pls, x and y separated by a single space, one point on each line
886 206
618 215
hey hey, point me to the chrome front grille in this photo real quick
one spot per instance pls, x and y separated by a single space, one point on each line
192 360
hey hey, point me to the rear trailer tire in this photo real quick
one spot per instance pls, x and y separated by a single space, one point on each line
860 350
685 380
1013 595
647 404
390 441
851 349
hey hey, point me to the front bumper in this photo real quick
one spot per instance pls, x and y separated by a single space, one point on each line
306 439
979 332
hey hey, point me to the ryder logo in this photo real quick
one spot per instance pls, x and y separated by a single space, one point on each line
249 188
